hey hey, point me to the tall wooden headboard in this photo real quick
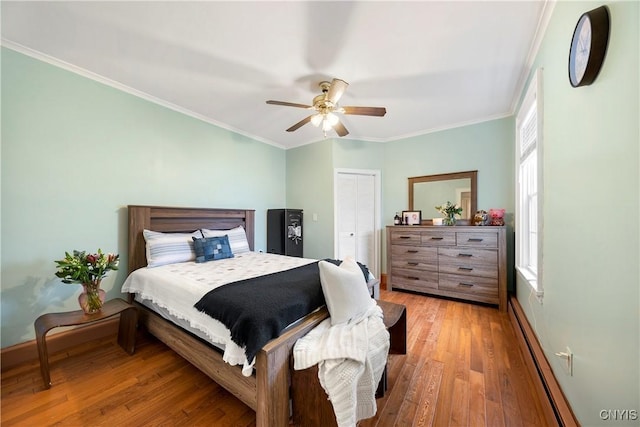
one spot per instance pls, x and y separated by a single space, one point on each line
181 220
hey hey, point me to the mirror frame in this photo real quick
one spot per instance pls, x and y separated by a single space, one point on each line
472 175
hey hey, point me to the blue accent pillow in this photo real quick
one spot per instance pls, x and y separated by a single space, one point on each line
212 248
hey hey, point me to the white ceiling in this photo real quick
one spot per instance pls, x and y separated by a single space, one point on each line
432 64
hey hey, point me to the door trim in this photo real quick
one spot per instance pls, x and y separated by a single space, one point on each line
375 269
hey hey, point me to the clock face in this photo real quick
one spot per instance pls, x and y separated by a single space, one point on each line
580 50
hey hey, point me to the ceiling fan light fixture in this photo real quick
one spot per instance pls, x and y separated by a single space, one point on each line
332 119
326 125
316 119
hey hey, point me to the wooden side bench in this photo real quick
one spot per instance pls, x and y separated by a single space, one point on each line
395 319
126 332
311 406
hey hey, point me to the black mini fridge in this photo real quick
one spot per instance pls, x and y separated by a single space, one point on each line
284 232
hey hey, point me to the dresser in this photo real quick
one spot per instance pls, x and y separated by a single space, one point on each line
464 262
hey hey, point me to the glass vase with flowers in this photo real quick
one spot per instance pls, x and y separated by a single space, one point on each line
449 211
87 270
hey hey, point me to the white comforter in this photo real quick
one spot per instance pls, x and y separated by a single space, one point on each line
351 358
177 287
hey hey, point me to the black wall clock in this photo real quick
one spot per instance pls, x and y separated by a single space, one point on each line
588 46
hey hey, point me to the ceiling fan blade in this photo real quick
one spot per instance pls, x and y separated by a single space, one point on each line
340 129
288 104
299 124
336 90
366 111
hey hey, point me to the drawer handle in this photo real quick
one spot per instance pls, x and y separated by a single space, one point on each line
465 268
437 238
405 237
412 263
465 255
475 240
413 278
468 285
412 251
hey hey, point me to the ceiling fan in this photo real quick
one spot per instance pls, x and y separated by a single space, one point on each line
326 106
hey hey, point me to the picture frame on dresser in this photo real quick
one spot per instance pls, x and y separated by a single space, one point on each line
412 217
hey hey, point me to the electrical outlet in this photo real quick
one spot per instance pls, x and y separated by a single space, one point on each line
568 360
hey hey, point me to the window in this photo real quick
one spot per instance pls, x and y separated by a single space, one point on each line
528 185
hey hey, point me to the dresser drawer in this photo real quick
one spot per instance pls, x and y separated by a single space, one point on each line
416 257
423 265
470 270
477 239
468 262
480 286
414 280
438 238
468 256
406 238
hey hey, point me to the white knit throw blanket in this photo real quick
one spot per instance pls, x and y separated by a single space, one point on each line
351 358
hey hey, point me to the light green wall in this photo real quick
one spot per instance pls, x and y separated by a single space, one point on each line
310 173
591 251
486 147
352 154
75 153
310 188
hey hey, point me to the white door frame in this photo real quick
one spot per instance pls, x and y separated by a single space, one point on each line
375 269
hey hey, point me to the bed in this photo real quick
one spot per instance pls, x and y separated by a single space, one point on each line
267 391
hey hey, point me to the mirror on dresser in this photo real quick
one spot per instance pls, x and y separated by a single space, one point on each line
428 191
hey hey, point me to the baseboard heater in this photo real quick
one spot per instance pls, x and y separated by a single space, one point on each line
555 405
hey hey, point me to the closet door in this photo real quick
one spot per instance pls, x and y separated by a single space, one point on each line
346 215
356 198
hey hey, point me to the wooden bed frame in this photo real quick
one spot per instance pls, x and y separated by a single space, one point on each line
268 390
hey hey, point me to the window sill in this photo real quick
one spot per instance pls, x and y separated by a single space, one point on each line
532 280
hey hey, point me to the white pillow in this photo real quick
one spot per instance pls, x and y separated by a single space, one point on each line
237 238
169 248
345 290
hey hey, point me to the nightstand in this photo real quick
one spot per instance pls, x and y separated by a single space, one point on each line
126 331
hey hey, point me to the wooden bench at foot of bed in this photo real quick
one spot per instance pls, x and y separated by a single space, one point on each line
311 406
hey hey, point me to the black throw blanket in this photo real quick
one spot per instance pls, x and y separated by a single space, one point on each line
257 310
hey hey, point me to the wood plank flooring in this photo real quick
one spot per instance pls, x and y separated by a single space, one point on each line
462 368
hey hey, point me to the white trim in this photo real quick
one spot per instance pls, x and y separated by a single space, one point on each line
377 212
443 128
540 144
526 276
543 23
534 94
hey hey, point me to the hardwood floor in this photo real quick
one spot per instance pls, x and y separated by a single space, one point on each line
462 368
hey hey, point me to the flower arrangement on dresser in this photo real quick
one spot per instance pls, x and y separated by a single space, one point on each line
449 211
87 270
